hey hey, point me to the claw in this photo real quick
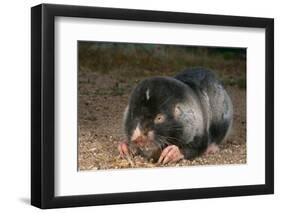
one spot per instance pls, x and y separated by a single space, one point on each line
125 153
170 154
123 149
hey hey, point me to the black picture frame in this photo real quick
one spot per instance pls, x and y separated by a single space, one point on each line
43 117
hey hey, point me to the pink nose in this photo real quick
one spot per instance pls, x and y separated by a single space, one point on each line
141 140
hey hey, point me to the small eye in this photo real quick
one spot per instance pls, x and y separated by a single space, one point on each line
160 118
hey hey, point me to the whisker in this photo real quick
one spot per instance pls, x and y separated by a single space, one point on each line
163 141
174 128
169 137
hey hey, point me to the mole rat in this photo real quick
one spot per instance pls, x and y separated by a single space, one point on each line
172 118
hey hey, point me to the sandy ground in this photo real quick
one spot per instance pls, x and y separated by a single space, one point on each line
102 100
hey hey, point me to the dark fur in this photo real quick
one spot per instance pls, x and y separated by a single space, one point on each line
204 80
190 86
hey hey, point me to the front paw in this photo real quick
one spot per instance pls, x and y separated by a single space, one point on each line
171 154
125 152
123 149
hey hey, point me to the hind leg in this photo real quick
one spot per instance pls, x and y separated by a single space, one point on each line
212 149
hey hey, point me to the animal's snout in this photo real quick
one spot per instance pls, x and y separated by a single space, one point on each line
140 140
141 137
